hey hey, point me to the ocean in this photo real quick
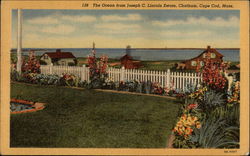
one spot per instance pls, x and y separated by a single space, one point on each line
141 54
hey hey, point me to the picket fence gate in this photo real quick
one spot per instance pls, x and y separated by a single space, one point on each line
176 80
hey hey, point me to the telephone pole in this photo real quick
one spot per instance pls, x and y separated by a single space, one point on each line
19 40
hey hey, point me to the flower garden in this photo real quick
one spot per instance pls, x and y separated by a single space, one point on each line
208 114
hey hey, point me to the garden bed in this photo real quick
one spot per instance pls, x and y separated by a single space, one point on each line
92 118
23 106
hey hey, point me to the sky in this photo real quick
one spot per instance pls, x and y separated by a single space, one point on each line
119 28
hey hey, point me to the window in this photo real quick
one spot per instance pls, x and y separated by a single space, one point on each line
194 63
63 63
201 63
213 55
204 55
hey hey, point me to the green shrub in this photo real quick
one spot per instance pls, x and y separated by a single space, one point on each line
13 57
229 113
211 100
216 134
42 62
71 64
15 76
148 87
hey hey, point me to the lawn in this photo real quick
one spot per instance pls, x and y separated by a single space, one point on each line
89 118
159 65
147 65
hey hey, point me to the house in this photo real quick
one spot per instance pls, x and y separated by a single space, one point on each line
199 60
58 58
128 62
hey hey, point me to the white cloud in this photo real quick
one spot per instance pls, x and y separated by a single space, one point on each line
103 41
79 18
31 36
218 21
185 34
116 26
118 31
44 20
128 17
31 28
60 29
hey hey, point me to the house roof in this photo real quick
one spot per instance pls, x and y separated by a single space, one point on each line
126 57
211 50
59 54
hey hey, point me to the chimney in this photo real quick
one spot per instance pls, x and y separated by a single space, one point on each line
58 50
128 50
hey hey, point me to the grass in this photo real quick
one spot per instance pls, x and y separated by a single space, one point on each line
159 65
147 65
89 118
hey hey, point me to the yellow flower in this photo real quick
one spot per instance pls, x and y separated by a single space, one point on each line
184 117
198 125
204 89
195 118
183 129
179 124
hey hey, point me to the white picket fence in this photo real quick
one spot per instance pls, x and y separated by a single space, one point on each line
177 80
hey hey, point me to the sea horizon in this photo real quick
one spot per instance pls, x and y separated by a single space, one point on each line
230 54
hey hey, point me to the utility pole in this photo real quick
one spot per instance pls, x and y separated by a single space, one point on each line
93 48
19 40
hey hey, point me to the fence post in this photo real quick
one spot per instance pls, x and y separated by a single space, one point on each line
168 78
83 72
50 68
122 73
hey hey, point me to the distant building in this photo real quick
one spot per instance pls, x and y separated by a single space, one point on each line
199 60
128 62
58 58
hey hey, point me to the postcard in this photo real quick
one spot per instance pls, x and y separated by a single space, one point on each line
124 77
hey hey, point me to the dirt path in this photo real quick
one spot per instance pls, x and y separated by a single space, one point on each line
170 141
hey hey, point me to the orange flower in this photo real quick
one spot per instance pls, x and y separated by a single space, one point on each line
192 106
188 130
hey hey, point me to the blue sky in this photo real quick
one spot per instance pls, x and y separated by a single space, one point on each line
118 28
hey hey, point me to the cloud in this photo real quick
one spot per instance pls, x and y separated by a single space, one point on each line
186 34
79 18
103 41
31 36
44 20
116 26
217 22
59 29
128 17
31 28
118 31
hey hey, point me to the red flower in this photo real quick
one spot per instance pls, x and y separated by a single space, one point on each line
192 106
212 74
